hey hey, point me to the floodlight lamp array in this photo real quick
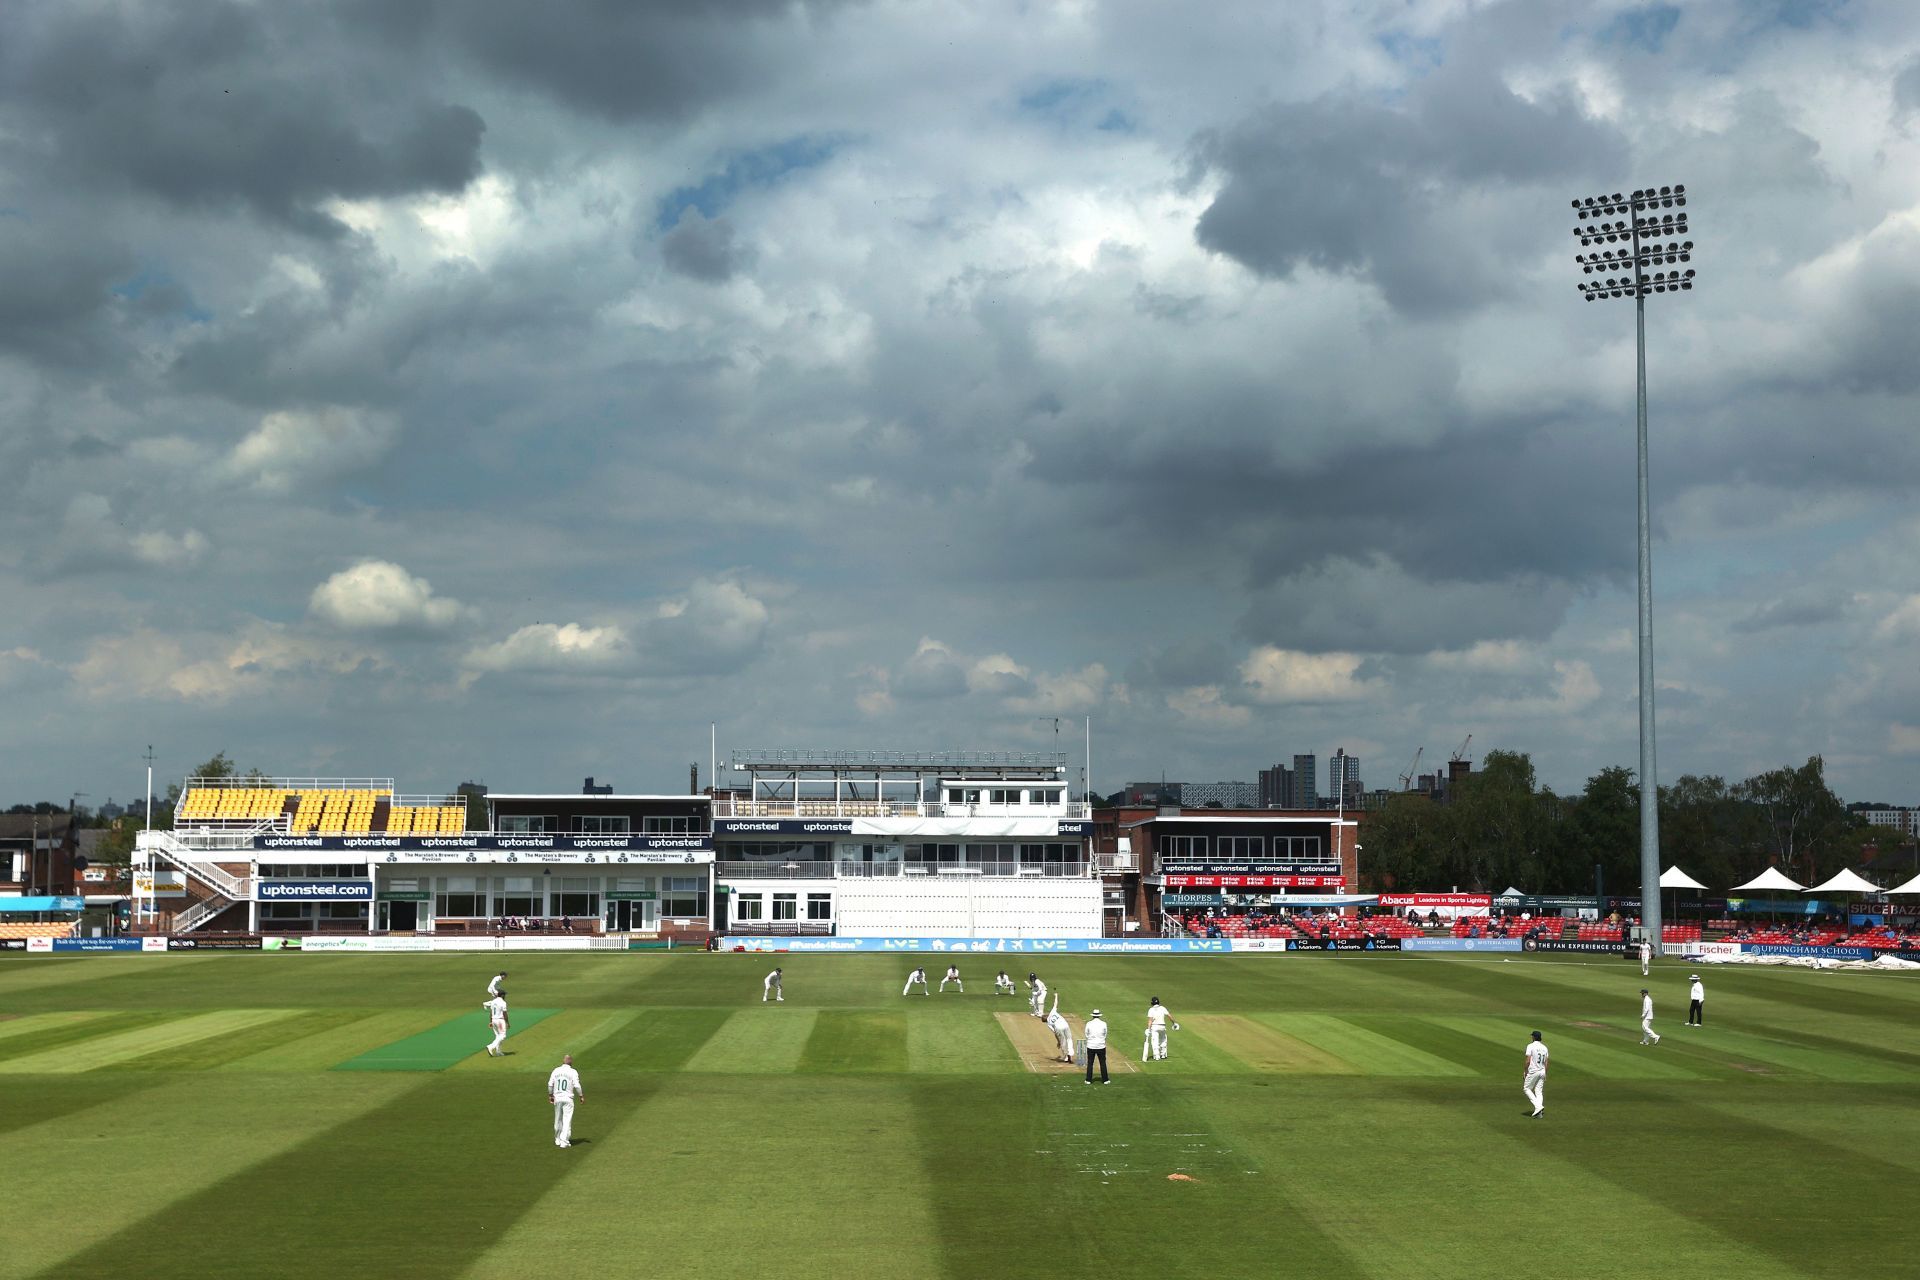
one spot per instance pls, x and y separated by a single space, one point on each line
1624 286
1643 198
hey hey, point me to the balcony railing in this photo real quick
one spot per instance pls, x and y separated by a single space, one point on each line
725 806
824 870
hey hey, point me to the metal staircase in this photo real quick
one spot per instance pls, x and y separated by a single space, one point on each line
224 888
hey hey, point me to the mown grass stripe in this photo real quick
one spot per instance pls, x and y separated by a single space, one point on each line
209 1052
856 1040
1262 1047
539 1046
121 1047
768 1039
160 1146
41 1023
439 1201
1729 1046
865 1209
90 1026
442 1046
367 1030
963 1044
1579 1052
1502 1178
654 1040
44 1098
1370 1052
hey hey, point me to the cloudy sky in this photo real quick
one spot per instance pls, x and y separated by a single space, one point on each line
491 390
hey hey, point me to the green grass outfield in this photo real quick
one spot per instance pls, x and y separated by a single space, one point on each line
1340 1116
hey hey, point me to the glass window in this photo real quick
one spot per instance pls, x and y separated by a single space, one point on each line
576 904
459 904
517 904
1243 846
666 824
746 906
284 910
605 824
786 906
1005 796
684 896
1183 846
819 906
526 823
344 910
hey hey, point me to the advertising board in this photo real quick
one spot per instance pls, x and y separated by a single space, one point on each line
1404 900
1556 944
1023 946
1460 944
159 884
313 890
1344 944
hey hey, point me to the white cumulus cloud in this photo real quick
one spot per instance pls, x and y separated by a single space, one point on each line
556 648
1274 676
309 444
378 595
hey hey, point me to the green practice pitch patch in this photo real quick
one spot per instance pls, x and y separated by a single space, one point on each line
436 1050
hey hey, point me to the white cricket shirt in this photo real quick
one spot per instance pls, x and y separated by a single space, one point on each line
1156 1015
564 1083
1696 992
1536 1057
1646 1006
1096 1033
493 987
496 1008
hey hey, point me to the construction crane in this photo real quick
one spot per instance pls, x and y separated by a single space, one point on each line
1461 754
1406 779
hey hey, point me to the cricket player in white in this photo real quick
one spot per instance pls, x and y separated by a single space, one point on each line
1003 985
1039 996
920 976
1535 1084
1062 1030
1647 1034
493 987
563 1089
1155 1044
953 975
497 1019
1646 957
771 987
1696 1002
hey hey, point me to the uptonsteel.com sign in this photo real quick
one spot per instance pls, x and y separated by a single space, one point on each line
314 891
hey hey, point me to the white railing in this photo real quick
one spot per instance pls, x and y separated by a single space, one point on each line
178 852
199 913
725 806
1113 861
822 870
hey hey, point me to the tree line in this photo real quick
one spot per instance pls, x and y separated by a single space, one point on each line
1501 828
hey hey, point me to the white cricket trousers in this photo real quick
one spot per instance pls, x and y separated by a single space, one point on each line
1065 1040
499 1036
1647 1034
1536 1089
909 987
563 1122
1155 1043
956 982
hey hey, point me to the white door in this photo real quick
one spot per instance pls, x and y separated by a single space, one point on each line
647 916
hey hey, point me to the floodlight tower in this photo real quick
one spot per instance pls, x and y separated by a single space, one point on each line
1648 238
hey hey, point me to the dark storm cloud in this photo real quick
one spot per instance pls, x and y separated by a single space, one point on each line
57 299
629 61
1397 194
219 105
705 249
1906 89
